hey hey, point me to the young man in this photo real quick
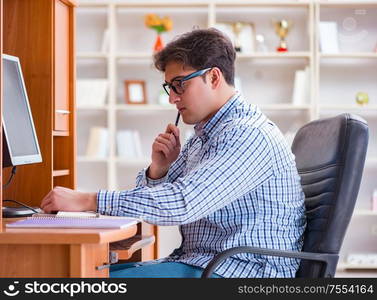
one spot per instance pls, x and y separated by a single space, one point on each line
234 183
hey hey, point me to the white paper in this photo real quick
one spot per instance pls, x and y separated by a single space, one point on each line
301 87
328 32
247 39
129 144
98 142
136 92
125 144
91 92
105 41
137 143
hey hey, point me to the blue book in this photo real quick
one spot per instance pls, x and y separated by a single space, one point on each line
53 222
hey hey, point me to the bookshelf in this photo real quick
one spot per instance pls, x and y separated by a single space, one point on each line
335 79
49 75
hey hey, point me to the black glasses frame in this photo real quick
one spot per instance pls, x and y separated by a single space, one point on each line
167 86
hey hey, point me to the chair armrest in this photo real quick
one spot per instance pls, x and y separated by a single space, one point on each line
329 260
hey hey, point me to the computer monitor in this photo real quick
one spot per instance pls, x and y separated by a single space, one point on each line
20 143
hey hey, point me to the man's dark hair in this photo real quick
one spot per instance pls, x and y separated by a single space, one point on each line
200 49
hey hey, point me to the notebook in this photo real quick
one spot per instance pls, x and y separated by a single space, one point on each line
66 222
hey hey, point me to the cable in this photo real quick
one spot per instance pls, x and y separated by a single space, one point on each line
22 204
14 169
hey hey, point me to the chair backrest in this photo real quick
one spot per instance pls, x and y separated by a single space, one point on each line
330 155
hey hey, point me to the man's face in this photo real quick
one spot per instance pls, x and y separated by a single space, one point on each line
196 103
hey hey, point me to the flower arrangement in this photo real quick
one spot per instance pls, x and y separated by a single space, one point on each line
159 24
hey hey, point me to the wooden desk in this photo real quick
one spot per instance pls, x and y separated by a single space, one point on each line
57 252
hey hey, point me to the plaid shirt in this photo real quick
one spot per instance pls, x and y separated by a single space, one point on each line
235 183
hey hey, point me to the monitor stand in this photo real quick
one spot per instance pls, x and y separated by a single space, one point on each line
18 212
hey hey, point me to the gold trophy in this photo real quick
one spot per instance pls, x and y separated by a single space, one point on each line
237 29
282 28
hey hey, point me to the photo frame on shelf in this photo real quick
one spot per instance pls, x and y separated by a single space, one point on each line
135 92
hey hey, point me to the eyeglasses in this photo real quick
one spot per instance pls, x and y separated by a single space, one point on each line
177 84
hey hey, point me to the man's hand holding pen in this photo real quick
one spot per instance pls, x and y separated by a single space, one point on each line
165 150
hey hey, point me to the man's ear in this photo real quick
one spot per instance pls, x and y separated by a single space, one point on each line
215 77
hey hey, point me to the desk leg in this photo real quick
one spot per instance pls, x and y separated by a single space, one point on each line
84 258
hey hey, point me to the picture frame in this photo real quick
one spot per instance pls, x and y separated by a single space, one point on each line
135 92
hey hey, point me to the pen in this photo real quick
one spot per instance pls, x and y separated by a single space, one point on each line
177 119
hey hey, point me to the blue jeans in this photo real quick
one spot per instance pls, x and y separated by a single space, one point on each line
156 269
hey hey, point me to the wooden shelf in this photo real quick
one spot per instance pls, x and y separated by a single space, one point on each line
57 173
50 87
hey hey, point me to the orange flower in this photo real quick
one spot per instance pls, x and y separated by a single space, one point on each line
167 23
152 20
159 24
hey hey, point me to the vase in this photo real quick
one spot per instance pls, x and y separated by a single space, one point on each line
158 44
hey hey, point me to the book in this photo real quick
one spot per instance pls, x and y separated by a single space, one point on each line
129 144
98 142
105 41
301 87
91 92
73 222
328 32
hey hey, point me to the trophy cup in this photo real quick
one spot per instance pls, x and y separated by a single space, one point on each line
282 27
237 29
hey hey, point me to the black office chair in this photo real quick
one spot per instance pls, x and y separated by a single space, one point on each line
330 155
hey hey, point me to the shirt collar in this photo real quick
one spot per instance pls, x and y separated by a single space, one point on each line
205 129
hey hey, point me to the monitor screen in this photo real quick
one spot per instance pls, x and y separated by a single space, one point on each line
19 132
